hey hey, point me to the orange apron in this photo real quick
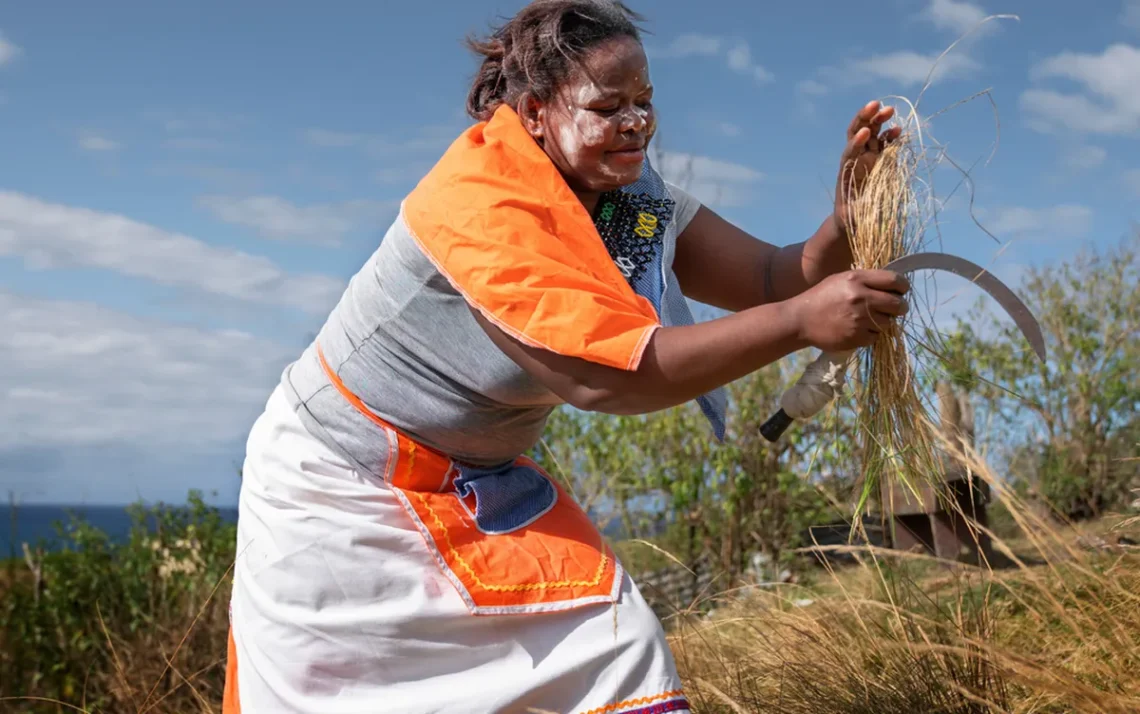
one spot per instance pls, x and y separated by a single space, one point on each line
554 561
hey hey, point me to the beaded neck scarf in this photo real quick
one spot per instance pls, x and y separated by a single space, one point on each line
632 222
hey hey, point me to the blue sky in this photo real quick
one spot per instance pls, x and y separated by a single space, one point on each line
186 188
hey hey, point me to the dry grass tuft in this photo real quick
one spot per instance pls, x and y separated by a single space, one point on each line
885 224
904 633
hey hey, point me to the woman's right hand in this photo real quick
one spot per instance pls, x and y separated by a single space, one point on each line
847 310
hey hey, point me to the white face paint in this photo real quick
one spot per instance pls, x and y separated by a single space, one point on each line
600 118
584 128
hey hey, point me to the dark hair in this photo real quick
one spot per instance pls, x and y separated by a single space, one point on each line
537 49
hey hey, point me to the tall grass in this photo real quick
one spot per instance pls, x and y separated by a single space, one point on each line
141 627
1058 630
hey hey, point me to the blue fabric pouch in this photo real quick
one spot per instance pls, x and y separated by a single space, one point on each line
507 497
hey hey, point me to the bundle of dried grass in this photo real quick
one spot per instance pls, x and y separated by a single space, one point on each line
886 223
896 206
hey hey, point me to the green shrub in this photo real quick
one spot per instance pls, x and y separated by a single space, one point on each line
99 625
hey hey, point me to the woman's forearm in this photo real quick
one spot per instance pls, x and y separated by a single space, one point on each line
679 363
682 363
790 270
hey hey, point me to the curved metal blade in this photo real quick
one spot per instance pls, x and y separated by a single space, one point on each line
985 280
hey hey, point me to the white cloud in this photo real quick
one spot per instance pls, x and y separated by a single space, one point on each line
206 121
192 143
1082 157
1108 102
714 182
335 139
807 92
94 142
955 16
905 68
430 138
49 235
910 69
1130 14
1132 181
688 45
302 173
219 178
737 54
276 218
1061 221
739 60
407 173
75 373
8 51
811 88
727 128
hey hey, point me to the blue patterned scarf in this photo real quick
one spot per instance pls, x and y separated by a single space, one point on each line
632 222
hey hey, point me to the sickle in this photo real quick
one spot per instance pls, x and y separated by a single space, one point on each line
833 365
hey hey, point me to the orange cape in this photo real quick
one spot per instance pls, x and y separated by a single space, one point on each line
500 223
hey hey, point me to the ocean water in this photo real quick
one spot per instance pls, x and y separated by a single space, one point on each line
34 522
30 523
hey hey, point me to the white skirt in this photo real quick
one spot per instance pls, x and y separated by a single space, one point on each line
341 606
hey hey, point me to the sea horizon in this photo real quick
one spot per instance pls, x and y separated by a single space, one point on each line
35 523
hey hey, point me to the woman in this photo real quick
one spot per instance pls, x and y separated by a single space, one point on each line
396 553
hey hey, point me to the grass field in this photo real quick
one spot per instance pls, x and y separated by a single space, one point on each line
142 628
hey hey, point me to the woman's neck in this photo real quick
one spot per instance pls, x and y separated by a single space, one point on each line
589 199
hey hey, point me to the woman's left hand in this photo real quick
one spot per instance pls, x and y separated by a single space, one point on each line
865 143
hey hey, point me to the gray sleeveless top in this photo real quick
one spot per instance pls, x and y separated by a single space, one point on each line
405 342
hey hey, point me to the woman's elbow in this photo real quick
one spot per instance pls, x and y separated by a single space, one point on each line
605 400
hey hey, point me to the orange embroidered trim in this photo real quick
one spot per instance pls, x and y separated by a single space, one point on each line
411 450
513 588
355 401
411 457
231 700
610 708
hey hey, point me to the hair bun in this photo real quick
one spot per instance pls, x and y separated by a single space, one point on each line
534 51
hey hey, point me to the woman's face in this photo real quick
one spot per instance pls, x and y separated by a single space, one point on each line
598 125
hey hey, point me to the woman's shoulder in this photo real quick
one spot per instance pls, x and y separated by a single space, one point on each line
685 205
